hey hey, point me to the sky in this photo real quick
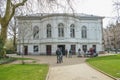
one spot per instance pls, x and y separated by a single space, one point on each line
96 7
102 8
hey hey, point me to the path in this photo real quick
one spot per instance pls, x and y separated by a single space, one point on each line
75 72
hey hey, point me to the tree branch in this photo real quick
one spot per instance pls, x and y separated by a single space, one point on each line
10 10
7 9
15 6
20 4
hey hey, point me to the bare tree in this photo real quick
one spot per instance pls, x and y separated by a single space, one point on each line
8 14
13 32
8 8
24 36
115 27
116 5
8 11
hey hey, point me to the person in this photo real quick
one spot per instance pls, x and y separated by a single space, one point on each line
87 54
61 56
91 52
70 53
58 55
94 52
79 52
66 52
84 50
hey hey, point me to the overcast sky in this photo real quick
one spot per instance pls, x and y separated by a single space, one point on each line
93 7
96 7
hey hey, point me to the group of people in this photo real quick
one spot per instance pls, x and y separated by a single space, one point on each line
68 54
91 52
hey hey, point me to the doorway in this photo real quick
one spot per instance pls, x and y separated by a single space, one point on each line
73 47
84 48
48 49
25 50
62 47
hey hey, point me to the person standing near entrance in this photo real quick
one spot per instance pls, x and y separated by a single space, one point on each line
58 55
66 52
79 52
61 56
70 53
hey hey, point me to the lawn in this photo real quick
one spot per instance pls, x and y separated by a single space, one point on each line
108 64
23 72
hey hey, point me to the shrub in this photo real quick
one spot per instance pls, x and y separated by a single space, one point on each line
6 60
9 51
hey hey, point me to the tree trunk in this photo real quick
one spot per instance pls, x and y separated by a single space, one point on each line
3 33
3 36
14 41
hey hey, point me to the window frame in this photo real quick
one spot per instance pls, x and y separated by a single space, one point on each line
49 31
84 32
72 30
35 32
35 46
60 30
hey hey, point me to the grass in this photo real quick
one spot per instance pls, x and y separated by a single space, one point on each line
23 72
108 64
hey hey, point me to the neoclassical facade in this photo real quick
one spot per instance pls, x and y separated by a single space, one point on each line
43 33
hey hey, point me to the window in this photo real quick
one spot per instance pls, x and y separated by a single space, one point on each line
72 30
61 30
84 32
36 32
35 48
49 32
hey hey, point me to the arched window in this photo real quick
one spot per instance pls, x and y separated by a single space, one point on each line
72 30
60 30
84 32
36 32
49 31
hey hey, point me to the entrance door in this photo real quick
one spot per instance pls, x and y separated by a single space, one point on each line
48 49
73 49
62 47
25 50
84 48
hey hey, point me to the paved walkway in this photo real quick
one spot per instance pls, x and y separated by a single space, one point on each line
51 60
71 69
75 72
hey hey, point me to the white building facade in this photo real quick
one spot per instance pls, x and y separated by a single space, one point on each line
44 33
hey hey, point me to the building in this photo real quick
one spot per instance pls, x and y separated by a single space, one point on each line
43 33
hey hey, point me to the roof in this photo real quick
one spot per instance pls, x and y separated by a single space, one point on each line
44 15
